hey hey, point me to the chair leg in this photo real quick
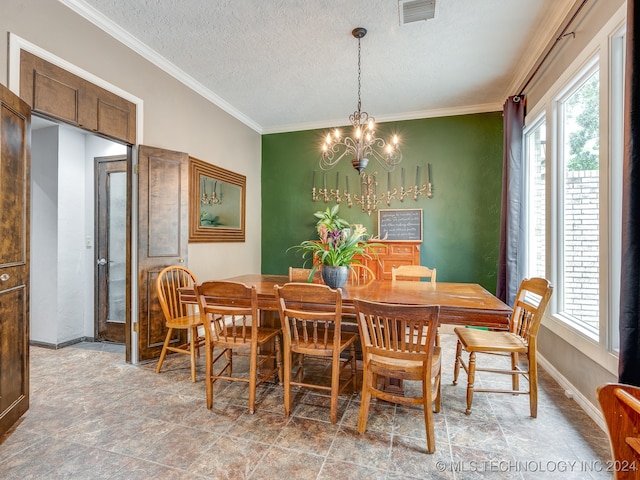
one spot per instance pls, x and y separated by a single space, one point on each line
427 399
192 349
456 366
438 392
335 386
533 383
367 379
471 378
164 350
287 381
515 378
253 375
278 347
208 375
354 372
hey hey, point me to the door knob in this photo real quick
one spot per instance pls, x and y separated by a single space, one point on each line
102 261
4 277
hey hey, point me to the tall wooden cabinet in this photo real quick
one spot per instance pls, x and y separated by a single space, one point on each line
392 254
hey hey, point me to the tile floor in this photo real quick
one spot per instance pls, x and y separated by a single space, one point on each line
93 416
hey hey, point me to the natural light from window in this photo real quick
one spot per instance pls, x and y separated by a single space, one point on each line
580 117
535 156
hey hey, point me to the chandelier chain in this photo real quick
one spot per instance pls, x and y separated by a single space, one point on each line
363 144
359 103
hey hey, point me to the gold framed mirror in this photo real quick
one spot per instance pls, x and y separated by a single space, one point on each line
216 203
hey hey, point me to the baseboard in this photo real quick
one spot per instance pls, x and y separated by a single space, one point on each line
571 391
57 346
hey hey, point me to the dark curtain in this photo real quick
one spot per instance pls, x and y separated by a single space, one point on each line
629 366
510 267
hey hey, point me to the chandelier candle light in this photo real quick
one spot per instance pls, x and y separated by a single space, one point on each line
214 198
364 144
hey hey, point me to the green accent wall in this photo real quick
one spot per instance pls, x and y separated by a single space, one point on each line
460 222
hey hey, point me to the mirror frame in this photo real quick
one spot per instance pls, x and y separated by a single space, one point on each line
199 233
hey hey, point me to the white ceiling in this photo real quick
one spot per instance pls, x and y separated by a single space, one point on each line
284 65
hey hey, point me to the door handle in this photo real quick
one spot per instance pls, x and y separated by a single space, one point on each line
102 261
4 277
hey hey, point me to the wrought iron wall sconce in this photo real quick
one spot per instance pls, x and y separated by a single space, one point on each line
368 199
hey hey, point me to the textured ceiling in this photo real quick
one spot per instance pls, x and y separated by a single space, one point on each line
282 65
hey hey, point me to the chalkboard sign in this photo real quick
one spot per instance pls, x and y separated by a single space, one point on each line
405 224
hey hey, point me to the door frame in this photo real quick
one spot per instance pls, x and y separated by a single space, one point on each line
100 310
17 43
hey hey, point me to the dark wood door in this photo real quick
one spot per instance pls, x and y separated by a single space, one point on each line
163 232
15 141
111 248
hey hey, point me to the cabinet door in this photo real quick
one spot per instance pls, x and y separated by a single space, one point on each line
15 141
104 112
57 93
399 253
49 89
374 262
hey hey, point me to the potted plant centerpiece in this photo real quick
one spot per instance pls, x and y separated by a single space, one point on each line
339 242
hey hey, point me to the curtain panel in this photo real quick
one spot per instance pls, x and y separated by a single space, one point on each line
512 235
629 362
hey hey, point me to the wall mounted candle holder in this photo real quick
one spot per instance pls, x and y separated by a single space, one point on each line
369 197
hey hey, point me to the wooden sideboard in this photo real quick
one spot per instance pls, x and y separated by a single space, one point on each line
392 254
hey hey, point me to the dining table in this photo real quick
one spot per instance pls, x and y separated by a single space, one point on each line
466 304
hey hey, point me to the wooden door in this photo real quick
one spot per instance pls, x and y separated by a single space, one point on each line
111 248
15 142
163 232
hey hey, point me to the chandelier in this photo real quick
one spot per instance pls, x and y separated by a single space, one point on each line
364 144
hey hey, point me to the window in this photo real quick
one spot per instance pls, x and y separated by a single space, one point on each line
618 42
579 193
535 158
573 149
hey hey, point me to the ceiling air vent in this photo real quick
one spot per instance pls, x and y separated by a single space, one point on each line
416 10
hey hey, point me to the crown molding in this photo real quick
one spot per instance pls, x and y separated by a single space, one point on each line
416 115
537 46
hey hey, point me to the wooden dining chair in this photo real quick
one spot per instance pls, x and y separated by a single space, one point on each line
620 405
178 315
413 272
521 338
311 316
229 313
360 274
302 275
399 342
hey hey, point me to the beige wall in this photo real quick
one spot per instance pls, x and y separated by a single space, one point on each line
575 368
174 117
592 18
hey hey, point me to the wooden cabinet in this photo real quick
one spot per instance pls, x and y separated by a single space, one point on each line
392 254
59 94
